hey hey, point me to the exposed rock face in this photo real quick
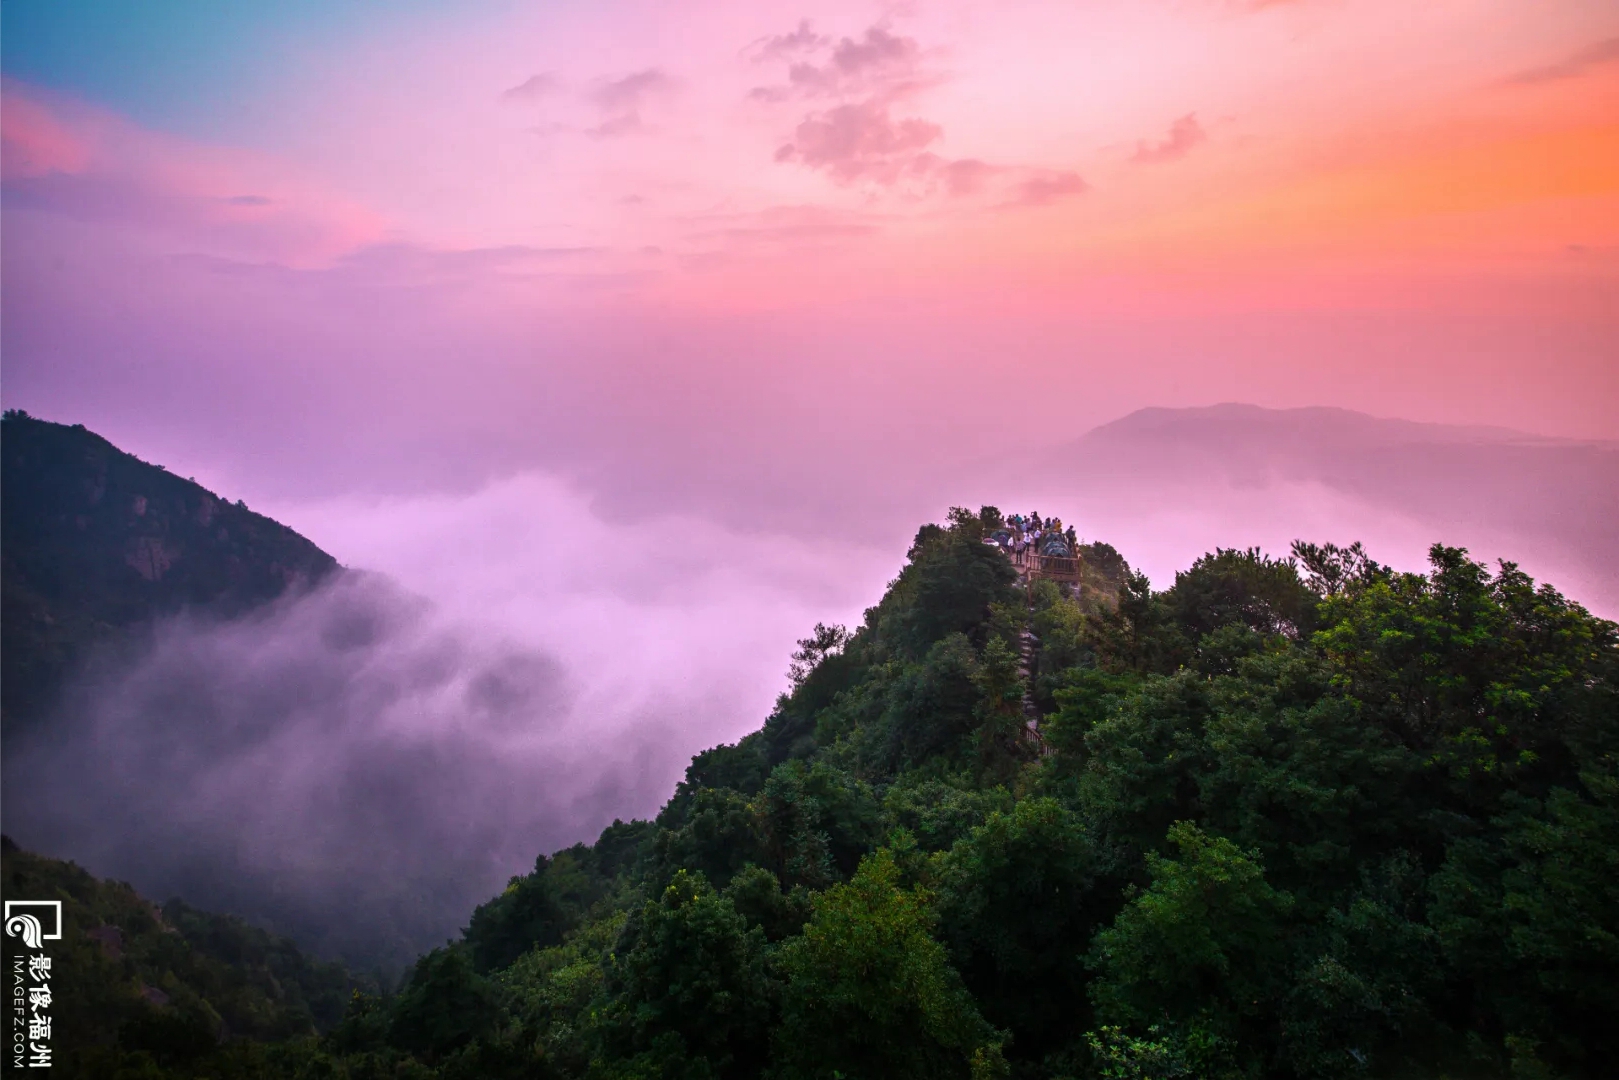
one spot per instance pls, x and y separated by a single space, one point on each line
150 557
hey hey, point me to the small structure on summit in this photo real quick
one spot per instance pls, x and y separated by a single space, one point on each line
1039 548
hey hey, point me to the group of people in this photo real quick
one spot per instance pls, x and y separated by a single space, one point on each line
1028 532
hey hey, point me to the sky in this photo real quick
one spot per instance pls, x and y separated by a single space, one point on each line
797 224
618 326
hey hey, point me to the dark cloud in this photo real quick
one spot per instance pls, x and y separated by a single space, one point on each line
1580 63
249 200
1041 190
1184 134
862 142
532 88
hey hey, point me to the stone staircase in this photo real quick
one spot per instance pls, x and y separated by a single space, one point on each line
1028 650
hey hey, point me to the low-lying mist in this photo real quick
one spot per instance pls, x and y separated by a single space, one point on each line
506 672
358 766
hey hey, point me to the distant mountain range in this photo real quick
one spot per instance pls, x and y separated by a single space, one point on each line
1550 501
95 543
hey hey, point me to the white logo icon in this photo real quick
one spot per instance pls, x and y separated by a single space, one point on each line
25 927
28 926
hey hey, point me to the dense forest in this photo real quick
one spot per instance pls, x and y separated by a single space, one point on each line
1300 817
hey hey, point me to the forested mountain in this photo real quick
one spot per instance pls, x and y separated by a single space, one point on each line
95 542
1287 818
1307 817
140 985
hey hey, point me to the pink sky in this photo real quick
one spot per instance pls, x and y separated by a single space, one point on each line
710 233
752 289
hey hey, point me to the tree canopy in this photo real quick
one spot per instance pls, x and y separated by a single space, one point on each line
1290 817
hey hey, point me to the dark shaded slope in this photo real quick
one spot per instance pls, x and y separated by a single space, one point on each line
133 980
94 541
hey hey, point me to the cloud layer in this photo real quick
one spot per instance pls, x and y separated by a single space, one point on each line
361 765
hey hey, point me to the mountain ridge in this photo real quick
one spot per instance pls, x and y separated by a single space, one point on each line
95 543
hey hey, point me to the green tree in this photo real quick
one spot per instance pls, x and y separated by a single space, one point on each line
445 1005
1019 903
527 915
870 993
1205 946
691 991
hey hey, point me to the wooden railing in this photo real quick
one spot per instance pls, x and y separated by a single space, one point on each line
1052 567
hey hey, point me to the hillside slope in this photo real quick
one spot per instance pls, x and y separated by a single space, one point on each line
95 542
1288 819
136 983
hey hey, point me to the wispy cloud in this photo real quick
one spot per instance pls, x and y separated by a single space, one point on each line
967 176
1582 62
76 161
878 64
621 101
1184 134
802 39
631 90
1043 190
533 88
861 141
794 225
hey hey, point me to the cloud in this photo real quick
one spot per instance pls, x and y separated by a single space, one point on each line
38 141
621 101
879 64
362 764
629 91
1042 190
879 51
533 88
784 46
623 124
861 141
794 225
1184 134
72 160
1600 54
966 176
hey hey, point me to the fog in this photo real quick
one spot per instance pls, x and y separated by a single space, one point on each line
360 765
505 672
